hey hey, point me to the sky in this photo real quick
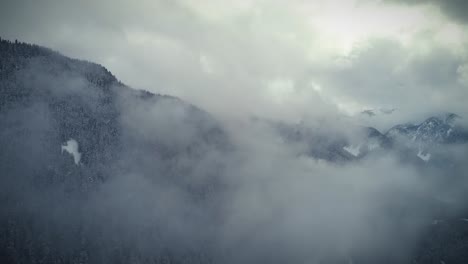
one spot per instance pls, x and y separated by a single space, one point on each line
290 60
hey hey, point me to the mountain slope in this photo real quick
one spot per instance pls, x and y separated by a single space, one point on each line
69 128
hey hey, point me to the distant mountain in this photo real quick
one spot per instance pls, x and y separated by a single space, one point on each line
317 143
434 130
413 141
425 139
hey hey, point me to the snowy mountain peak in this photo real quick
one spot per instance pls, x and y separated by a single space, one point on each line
434 130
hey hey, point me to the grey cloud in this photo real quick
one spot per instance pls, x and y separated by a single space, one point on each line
169 188
159 45
455 9
384 73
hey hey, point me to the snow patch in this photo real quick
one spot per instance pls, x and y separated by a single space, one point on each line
373 145
353 150
71 146
425 157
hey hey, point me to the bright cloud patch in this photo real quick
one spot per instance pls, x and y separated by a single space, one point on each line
280 89
206 64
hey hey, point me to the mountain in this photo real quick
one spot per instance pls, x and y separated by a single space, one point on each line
69 128
413 142
314 142
426 138
434 130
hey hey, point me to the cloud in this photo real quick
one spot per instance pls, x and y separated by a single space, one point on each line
402 76
225 57
455 9
168 189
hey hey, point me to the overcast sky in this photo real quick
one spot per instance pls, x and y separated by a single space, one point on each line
287 59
